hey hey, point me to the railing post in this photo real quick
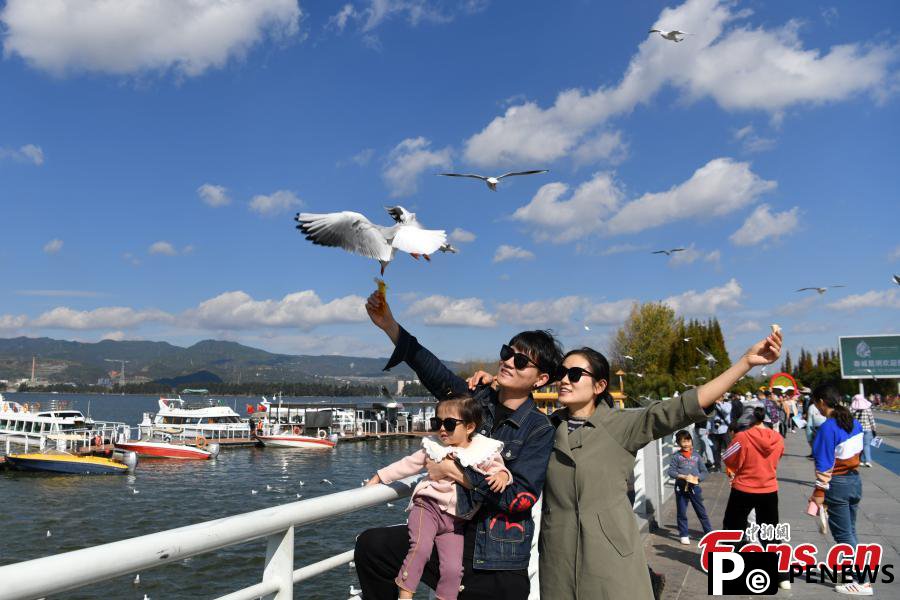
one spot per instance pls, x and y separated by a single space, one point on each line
280 564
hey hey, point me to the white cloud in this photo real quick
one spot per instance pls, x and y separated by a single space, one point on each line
340 19
27 153
131 259
415 12
544 313
131 36
607 147
408 160
871 299
739 67
162 247
461 236
363 157
707 302
564 220
303 310
623 249
117 317
12 322
894 254
719 187
691 255
763 224
505 252
751 142
275 203
116 336
213 195
442 310
53 246
747 327
609 313
793 308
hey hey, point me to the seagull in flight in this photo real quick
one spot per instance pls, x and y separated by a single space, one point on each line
326 481
353 232
897 279
687 339
708 356
628 357
493 181
672 36
820 290
668 252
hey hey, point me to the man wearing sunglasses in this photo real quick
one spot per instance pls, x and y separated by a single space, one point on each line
500 528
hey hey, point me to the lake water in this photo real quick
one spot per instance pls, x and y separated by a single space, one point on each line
82 511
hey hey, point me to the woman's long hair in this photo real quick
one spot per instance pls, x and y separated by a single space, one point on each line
599 366
829 395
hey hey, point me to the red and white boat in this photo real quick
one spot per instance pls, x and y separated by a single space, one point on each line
294 438
160 449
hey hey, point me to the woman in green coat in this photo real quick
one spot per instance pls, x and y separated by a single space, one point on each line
590 546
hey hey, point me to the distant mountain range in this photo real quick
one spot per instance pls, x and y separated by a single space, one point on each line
64 361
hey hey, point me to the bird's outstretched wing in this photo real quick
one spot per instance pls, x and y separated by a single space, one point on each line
472 175
897 279
677 250
351 231
419 241
834 286
655 31
808 288
666 252
400 214
515 173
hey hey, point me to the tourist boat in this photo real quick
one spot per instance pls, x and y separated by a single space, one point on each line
210 420
29 423
166 449
286 437
62 462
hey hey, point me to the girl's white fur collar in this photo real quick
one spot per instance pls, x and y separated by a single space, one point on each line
480 449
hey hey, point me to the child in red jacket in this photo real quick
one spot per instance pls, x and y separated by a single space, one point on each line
753 458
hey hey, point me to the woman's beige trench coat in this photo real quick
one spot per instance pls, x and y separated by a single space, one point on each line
590 546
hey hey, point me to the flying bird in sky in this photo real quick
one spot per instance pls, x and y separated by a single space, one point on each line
672 36
353 232
668 252
897 279
493 181
710 359
820 290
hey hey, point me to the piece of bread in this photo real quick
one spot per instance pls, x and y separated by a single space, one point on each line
775 327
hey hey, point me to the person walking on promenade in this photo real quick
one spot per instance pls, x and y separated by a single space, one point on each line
432 521
790 410
718 433
838 444
687 469
499 527
862 412
590 545
753 458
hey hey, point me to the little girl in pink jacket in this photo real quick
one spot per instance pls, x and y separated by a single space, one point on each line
432 513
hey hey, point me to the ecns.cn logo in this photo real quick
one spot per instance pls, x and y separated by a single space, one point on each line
736 573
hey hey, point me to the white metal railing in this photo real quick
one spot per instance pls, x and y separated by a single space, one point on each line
70 570
61 572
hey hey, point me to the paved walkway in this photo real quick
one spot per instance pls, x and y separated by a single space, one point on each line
878 519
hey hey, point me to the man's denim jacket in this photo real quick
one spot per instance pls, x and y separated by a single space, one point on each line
503 521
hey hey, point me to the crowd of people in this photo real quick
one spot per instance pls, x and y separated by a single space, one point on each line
470 527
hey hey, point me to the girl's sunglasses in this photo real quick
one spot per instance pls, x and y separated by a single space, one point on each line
449 423
574 373
520 361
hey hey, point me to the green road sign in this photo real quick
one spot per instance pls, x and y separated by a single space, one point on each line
870 356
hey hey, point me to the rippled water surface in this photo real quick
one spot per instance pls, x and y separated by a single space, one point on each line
82 511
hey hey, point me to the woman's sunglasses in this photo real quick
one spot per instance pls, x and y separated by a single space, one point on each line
574 373
449 423
520 361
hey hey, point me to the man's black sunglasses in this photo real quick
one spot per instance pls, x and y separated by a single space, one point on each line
449 423
520 361
574 373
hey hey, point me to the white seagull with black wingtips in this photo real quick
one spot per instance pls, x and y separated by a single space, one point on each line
493 181
672 36
353 232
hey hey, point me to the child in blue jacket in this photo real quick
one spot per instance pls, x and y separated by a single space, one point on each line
686 467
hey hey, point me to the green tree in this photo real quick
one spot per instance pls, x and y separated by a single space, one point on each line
647 336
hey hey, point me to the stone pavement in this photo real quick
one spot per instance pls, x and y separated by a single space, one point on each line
878 520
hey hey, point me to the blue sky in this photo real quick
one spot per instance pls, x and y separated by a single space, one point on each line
151 161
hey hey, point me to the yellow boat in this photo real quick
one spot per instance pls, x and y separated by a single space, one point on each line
63 462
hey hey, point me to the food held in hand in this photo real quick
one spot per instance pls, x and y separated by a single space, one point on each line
775 328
